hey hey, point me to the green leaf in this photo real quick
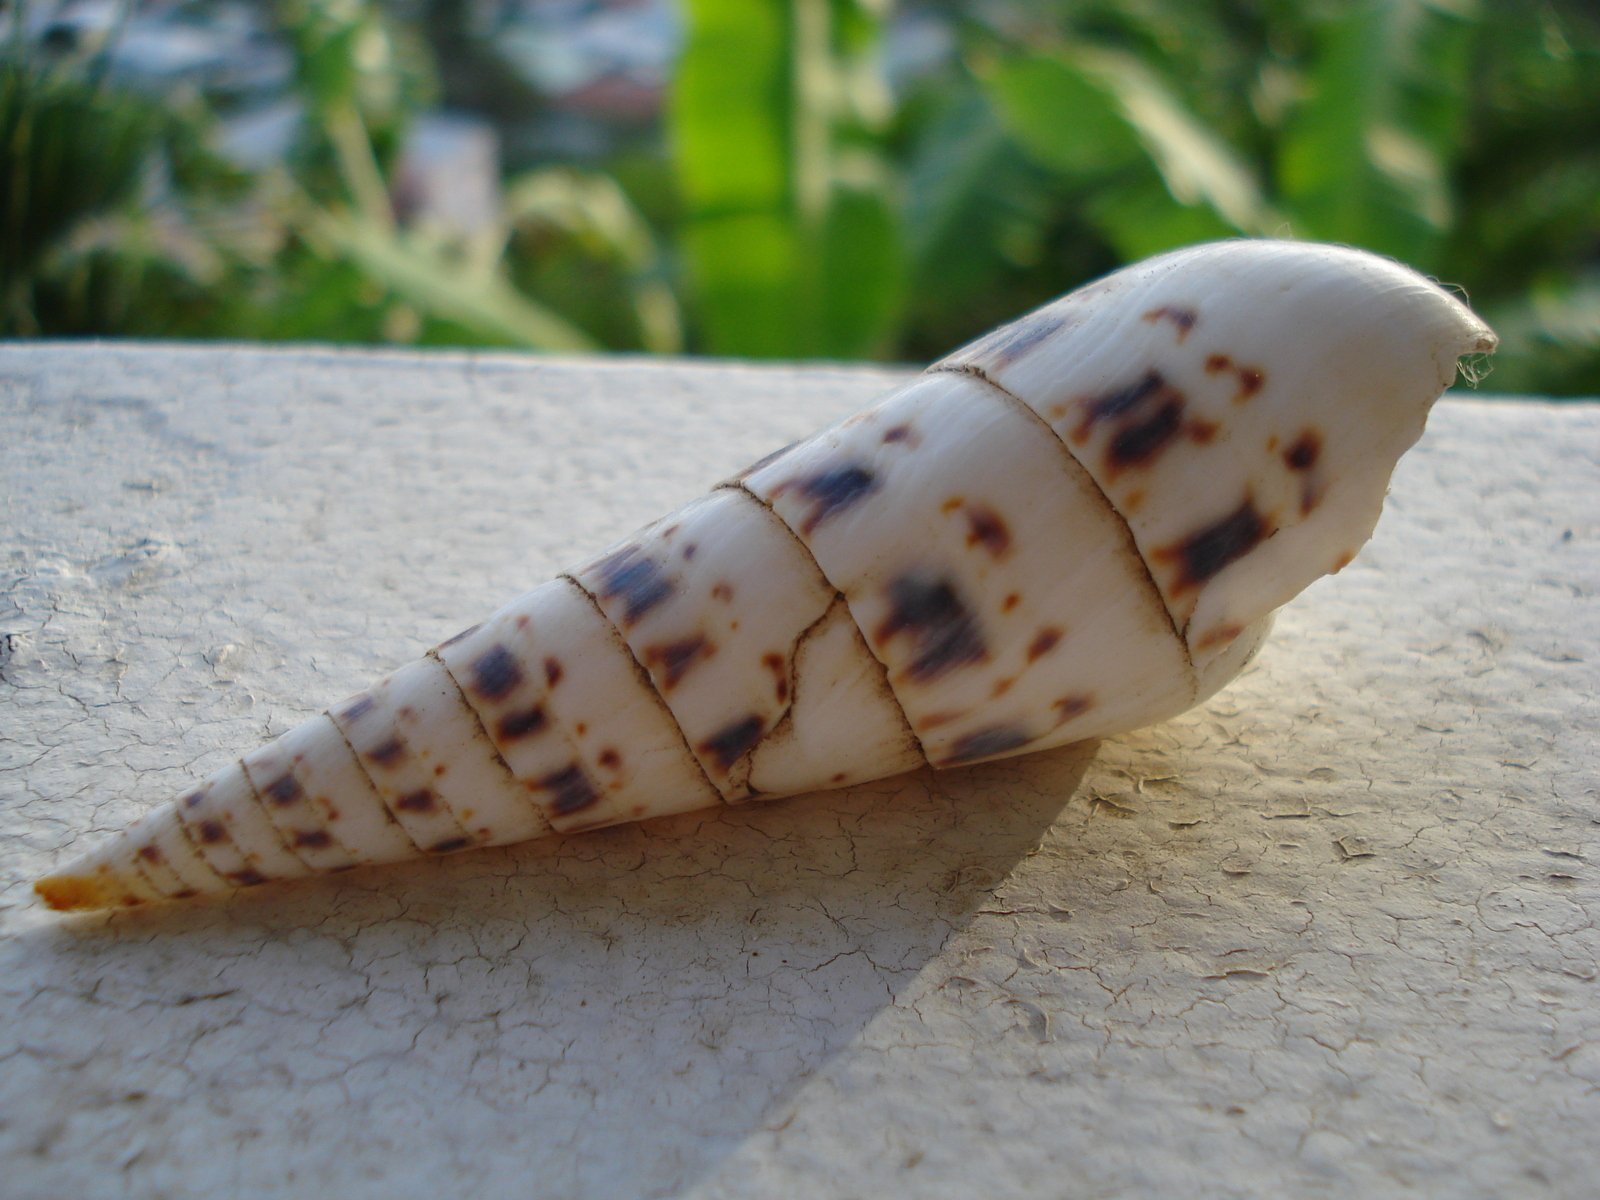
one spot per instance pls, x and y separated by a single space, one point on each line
1096 113
1366 157
789 234
1062 114
863 265
983 240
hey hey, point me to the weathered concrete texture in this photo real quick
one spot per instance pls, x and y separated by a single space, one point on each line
1335 934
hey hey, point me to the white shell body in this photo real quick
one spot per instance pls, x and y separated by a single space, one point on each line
1075 526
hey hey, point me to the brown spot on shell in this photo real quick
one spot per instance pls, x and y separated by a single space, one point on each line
283 791
193 798
1145 415
722 591
1116 404
1134 500
248 877
944 632
1012 342
1001 687
553 671
420 801
1139 442
988 529
523 620
1209 549
150 853
389 753
935 719
570 790
450 845
312 839
1010 602
521 724
981 743
1220 635
1183 319
610 759
129 900
1343 561
1043 642
900 433
673 660
1310 493
440 770
628 575
690 549
212 832
1250 379
733 741
1068 707
780 674
832 491
357 708
1201 431
1303 455
185 894
495 673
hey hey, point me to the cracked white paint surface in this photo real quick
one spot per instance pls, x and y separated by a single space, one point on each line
1334 934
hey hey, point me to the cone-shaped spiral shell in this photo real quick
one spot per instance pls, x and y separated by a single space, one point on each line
1075 526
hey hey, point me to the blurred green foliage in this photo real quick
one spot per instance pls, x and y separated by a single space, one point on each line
797 205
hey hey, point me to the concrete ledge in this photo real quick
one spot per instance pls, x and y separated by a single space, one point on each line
1333 934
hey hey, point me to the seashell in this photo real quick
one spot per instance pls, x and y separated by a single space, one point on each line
1075 526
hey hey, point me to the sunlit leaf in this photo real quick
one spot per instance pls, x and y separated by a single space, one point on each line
1197 166
789 233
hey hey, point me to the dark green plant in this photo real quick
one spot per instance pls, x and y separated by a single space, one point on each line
71 152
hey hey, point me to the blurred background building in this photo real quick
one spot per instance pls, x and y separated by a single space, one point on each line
774 178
